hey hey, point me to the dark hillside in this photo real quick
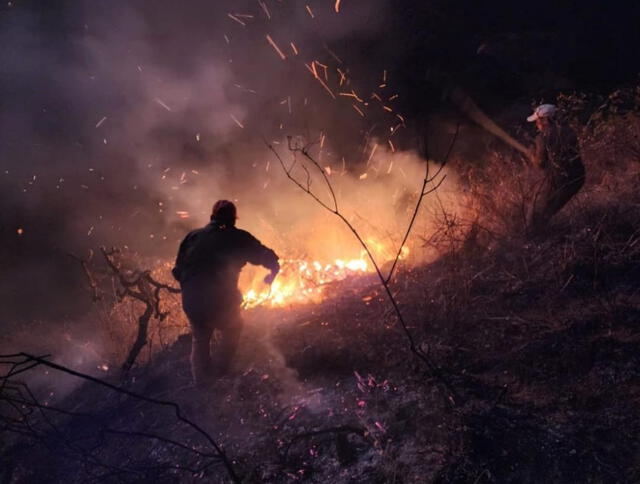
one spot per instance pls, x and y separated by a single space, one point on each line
497 352
538 337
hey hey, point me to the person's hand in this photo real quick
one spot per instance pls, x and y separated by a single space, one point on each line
270 278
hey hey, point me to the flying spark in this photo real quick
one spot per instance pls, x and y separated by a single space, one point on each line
358 110
162 103
236 120
275 46
265 9
233 17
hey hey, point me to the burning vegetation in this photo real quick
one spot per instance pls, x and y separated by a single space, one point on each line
324 387
417 331
301 281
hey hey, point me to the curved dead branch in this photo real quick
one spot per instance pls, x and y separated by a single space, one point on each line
433 369
17 396
141 286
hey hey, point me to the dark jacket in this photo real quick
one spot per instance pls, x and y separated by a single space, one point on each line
215 254
556 151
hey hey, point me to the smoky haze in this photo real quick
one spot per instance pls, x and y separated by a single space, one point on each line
117 116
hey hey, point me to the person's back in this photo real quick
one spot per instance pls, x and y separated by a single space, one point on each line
558 152
214 256
208 265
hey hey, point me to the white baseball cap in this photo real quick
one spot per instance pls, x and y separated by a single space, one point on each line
543 111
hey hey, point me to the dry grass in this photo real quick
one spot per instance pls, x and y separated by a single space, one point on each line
538 336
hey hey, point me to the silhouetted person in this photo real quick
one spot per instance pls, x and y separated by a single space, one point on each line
557 154
208 265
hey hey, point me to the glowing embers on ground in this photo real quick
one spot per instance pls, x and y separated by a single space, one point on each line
301 281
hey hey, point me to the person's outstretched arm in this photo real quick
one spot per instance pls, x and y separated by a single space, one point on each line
261 255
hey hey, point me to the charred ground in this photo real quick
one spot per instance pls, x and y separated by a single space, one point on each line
538 336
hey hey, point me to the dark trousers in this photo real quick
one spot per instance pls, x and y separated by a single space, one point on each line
209 307
553 194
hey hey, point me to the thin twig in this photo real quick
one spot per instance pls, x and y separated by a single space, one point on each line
427 179
165 403
431 366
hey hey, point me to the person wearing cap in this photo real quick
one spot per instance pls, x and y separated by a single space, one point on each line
208 266
556 153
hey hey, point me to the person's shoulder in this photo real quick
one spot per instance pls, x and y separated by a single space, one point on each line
242 233
196 232
244 236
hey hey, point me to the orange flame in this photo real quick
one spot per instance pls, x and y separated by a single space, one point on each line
301 281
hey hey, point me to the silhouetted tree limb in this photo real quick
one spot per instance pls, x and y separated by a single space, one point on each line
423 192
93 284
141 286
16 395
426 360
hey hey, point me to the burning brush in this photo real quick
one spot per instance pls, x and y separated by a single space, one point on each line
301 281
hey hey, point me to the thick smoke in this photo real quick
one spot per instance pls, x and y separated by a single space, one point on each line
125 122
117 115
118 118
122 122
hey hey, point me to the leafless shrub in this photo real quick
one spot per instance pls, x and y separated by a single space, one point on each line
609 131
85 441
430 185
123 293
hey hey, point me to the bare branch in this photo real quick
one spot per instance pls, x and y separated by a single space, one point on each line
296 182
305 152
32 402
93 285
144 288
430 365
423 193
